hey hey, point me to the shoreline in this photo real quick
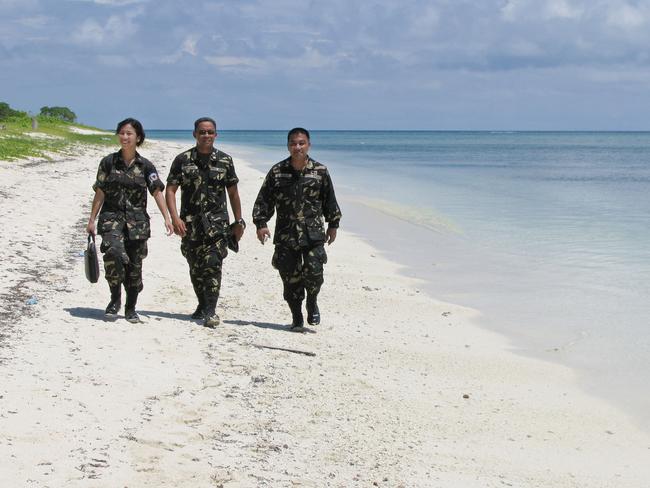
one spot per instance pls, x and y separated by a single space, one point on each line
505 289
403 390
613 383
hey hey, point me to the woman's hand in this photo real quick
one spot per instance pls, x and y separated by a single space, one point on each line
169 226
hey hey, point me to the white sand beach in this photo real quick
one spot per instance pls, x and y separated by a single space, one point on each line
397 389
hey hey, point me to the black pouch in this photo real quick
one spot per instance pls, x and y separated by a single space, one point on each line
91 264
233 245
316 234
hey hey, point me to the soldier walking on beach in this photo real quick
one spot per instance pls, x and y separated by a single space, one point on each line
301 191
123 179
205 174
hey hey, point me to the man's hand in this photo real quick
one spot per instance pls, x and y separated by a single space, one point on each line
238 231
90 228
179 227
331 235
263 234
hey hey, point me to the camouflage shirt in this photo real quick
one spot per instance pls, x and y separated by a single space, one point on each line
203 185
125 189
301 199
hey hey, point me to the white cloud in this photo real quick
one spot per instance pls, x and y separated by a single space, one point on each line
310 58
525 48
89 31
313 58
616 76
520 10
114 61
17 4
35 22
628 17
562 9
426 21
189 45
115 29
112 2
236 63
511 10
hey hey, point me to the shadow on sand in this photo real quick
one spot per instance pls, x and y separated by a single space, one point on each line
268 325
98 314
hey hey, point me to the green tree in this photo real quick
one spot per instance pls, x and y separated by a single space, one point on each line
6 111
61 113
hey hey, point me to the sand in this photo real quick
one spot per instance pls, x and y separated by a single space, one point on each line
397 388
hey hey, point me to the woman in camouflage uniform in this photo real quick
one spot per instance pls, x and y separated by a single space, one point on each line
123 179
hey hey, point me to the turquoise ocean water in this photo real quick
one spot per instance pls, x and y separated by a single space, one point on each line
545 233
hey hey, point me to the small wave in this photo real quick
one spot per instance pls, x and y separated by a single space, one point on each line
421 216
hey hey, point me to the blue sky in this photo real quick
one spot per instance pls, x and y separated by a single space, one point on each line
332 64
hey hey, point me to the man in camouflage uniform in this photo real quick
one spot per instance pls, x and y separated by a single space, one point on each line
205 175
121 193
301 191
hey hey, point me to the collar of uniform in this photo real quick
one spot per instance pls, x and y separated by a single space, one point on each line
194 155
309 165
137 160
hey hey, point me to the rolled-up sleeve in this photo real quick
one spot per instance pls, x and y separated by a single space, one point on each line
153 179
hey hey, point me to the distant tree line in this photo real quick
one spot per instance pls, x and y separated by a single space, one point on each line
6 111
61 113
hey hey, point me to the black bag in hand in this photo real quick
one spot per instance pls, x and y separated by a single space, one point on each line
90 260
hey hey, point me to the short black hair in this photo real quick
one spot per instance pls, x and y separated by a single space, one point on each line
204 119
298 130
139 130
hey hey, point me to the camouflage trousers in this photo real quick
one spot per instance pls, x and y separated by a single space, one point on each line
123 259
301 270
205 258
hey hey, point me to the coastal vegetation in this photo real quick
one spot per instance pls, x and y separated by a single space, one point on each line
51 132
61 113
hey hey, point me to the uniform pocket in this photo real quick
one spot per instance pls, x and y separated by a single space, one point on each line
138 227
108 223
316 234
282 259
320 254
190 174
217 174
214 225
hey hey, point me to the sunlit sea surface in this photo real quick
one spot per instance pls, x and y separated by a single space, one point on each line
545 233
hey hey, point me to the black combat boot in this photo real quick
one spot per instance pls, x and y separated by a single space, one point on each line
114 305
199 313
296 314
211 319
313 314
129 307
